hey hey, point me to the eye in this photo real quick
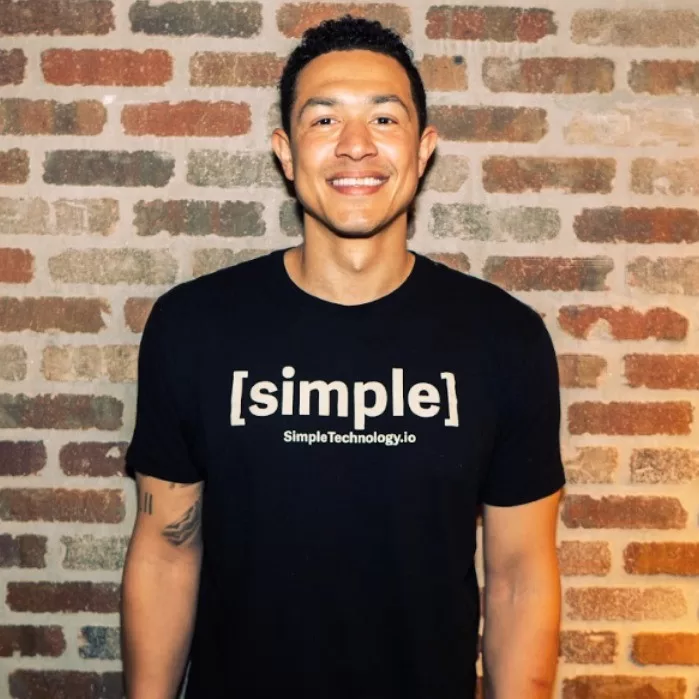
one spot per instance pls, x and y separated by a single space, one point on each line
385 121
323 121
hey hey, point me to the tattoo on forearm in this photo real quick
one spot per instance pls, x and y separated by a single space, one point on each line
186 528
145 503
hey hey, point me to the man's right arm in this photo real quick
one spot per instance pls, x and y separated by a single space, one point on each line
160 585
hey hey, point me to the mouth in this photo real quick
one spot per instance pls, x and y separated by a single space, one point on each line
358 186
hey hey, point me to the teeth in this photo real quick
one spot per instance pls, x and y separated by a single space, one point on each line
356 182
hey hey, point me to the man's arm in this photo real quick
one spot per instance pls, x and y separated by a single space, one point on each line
161 580
522 600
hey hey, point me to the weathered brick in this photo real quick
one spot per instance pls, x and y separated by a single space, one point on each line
622 687
623 323
62 217
615 224
16 266
478 222
624 604
106 67
207 261
619 418
443 73
674 177
636 27
14 166
192 118
662 371
623 512
189 217
55 411
56 17
588 647
91 553
30 641
664 275
24 117
65 684
570 175
584 558
89 362
61 505
549 75
71 315
212 168
22 551
592 465
664 77
99 642
489 124
228 69
447 173
98 459
108 168
224 19
581 370
13 65
673 465
13 362
291 218
123 266
22 458
294 18
455 260
136 312
489 23
662 558
549 273
665 649
634 127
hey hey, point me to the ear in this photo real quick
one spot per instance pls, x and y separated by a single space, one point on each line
282 148
428 142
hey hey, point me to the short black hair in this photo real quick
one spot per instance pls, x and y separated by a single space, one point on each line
349 34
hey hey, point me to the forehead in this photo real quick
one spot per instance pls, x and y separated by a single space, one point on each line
352 72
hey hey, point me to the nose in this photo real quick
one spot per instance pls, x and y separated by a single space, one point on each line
355 141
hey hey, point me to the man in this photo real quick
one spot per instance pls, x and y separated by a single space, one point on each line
316 430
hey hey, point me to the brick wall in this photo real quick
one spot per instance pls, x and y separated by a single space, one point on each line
134 154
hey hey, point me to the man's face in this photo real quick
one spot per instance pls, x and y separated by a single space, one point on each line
355 153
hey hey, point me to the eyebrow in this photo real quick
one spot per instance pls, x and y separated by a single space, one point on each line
331 102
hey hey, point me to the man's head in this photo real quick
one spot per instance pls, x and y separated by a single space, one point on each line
354 137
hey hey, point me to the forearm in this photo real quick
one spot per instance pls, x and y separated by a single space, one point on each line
159 604
520 638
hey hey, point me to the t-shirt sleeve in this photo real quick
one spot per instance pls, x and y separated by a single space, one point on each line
160 446
526 459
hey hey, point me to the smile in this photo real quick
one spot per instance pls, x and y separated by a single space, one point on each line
359 185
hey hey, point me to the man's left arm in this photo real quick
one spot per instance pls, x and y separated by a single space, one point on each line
522 599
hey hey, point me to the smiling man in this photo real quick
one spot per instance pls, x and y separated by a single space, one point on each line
318 429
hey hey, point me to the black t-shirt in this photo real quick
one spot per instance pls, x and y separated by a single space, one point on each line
345 451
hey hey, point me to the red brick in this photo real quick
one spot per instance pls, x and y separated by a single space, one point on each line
570 175
136 312
24 117
664 275
584 558
630 418
624 604
38 597
13 64
294 18
106 67
549 273
61 505
70 315
592 465
191 118
665 77
98 459
22 551
444 73
22 458
16 266
56 17
581 370
623 512
673 465
623 323
489 124
667 177
30 641
621 687
614 224
455 260
505 24
14 166
65 684
589 647
662 558
665 649
662 371
227 69
61 412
